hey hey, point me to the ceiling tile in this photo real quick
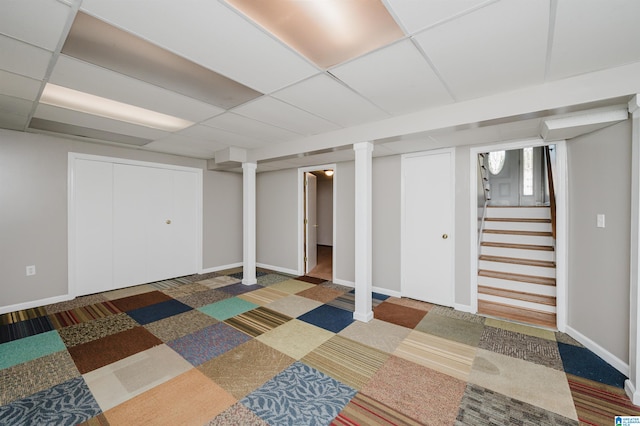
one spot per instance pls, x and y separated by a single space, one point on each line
497 48
19 86
206 133
22 58
17 106
78 75
181 145
45 21
270 110
398 79
12 121
240 125
324 96
593 35
417 15
212 35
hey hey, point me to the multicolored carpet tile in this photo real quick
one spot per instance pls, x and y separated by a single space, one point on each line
207 349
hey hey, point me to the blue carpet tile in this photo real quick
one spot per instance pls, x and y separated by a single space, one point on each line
25 328
208 343
582 362
159 311
328 317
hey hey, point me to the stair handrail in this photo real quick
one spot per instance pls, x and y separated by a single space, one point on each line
552 193
486 191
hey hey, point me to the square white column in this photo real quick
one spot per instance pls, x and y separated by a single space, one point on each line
363 230
249 223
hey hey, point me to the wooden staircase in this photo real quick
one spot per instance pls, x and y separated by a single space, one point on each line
516 265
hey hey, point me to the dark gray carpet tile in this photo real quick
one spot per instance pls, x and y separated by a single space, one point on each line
481 406
271 279
34 376
180 325
203 298
78 302
93 330
452 313
522 346
240 275
567 340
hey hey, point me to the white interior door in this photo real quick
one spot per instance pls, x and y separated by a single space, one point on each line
311 222
427 243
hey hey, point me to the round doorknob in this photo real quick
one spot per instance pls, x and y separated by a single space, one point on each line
168 221
445 236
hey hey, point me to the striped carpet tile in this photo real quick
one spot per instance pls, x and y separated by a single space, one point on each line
83 314
363 410
23 315
597 403
26 328
263 296
346 360
257 321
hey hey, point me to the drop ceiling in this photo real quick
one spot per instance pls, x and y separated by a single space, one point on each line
500 68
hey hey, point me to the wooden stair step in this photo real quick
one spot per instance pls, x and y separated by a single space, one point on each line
519 261
517 277
514 232
518 295
517 207
516 219
517 246
517 313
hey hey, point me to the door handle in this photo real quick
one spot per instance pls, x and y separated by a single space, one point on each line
445 236
168 221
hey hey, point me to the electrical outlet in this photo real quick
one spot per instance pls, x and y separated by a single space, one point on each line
31 270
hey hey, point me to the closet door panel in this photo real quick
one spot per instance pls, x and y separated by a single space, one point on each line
184 223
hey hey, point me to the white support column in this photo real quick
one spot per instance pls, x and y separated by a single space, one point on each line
249 223
631 385
363 231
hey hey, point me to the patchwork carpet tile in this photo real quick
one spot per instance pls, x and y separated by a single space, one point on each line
98 353
158 311
295 338
255 362
237 414
68 403
271 279
218 282
597 403
205 276
257 321
172 283
78 302
450 312
458 330
239 275
293 305
115 383
439 354
410 303
138 301
203 298
418 392
180 325
567 340
185 290
128 292
299 395
363 410
347 361
340 287
208 343
263 296
582 362
399 315
311 280
29 348
23 315
347 302
92 330
534 384
25 328
227 308
292 286
83 314
239 288
190 399
482 406
522 346
328 317
33 376
321 294
378 334
521 328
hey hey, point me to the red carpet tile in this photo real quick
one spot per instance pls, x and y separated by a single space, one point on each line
140 300
83 314
399 315
362 410
597 403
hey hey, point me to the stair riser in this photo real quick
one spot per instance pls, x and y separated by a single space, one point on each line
518 239
520 212
518 226
518 253
545 290
517 303
517 269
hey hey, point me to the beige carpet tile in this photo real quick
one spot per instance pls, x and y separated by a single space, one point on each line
292 286
271 279
345 360
99 420
97 329
128 291
218 282
254 362
521 328
340 287
528 382
171 283
237 415
189 399
116 383
522 346
203 298
410 303
30 377
568 340
293 305
321 294
185 290
423 394
451 328
450 312
364 410
78 302
295 338
180 325
263 296
443 355
378 334
257 321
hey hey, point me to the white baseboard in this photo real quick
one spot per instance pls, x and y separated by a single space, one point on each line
462 308
611 359
278 269
631 392
344 282
221 268
34 303
386 291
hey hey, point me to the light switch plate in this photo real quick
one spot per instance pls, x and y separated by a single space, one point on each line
600 221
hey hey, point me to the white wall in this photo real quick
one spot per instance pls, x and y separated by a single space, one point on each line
324 204
33 213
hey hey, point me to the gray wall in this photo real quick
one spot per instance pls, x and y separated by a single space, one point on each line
33 212
600 182
462 269
344 249
324 204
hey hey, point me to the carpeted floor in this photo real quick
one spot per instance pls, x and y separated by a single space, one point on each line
208 350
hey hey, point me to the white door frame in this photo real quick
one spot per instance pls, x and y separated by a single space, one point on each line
562 238
301 202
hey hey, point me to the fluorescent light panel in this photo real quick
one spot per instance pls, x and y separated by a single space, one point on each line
327 32
84 102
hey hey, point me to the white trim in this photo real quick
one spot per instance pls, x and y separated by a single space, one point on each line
344 282
249 223
278 269
35 303
610 358
220 268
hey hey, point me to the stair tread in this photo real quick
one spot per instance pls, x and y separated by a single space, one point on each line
515 232
517 246
542 299
516 219
517 313
517 207
518 261
533 279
